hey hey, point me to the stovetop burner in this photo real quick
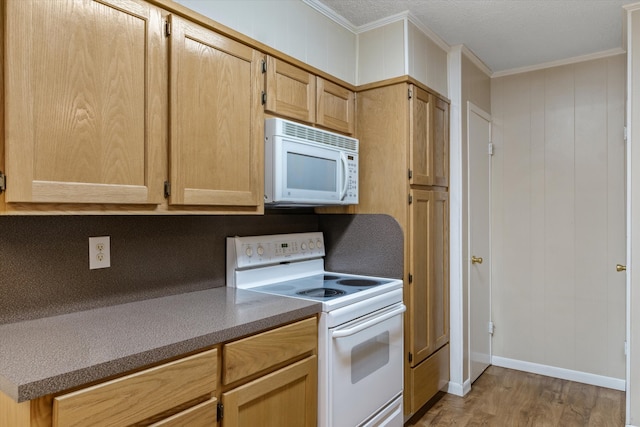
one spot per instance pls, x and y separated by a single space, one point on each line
358 282
321 292
330 277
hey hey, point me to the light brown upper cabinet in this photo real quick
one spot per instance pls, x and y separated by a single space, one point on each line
83 122
336 107
297 94
217 121
429 139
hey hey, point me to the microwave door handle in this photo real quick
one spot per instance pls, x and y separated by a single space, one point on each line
340 333
343 161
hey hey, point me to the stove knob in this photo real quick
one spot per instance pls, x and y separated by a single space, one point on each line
260 250
248 251
311 245
304 246
319 244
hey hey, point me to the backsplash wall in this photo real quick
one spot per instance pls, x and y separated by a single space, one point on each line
44 266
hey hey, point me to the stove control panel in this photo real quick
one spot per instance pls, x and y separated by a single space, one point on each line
254 251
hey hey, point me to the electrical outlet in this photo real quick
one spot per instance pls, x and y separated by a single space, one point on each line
99 252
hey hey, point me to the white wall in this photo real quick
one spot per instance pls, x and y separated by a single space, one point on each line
468 83
558 218
291 27
381 53
427 61
398 47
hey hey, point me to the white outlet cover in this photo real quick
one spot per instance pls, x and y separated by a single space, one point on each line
99 252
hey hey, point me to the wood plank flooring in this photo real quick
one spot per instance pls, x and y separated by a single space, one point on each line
504 397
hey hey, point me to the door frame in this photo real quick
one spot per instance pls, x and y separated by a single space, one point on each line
472 108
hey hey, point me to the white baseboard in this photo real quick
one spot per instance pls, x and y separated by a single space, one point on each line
459 389
564 374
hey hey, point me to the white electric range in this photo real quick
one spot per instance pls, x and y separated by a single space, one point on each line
360 343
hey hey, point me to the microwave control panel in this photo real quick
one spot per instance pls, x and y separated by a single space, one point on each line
352 179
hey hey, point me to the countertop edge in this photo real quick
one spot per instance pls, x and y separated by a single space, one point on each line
133 362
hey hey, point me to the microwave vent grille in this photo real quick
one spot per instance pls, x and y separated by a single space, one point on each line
319 136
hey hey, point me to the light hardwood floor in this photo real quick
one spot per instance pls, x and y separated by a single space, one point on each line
504 397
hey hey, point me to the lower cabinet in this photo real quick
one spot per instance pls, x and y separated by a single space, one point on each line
286 397
271 378
268 379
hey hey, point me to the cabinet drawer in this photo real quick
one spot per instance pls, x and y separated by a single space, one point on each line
202 415
429 377
139 396
250 355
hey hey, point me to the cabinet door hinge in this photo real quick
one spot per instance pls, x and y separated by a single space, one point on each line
410 199
167 28
410 357
167 189
410 94
410 278
264 66
3 182
220 412
264 97
490 148
491 328
410 174
625 134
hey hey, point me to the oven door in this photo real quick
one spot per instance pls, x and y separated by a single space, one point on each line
366 366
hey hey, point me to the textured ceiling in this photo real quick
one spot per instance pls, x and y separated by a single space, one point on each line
505 34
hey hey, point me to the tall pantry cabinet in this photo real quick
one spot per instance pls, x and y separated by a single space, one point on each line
404 158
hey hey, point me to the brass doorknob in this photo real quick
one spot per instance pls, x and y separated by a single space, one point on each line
620 267
476 260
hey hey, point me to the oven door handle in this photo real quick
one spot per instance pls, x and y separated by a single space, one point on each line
340 333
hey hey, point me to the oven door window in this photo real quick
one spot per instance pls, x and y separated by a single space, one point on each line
369 357
366 366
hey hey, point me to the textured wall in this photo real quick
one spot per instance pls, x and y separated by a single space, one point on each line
44 267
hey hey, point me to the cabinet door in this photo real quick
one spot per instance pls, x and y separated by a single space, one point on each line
439 280
440 142
291 91
420 261
428 264
336 106
83 88
287 397
420 137
216 119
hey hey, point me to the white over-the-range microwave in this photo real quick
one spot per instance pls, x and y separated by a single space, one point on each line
306 166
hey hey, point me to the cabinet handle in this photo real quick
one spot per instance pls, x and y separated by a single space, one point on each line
620 267
476 260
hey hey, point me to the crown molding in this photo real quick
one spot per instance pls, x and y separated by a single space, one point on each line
433 36
476 61
331 14
558 63
631 7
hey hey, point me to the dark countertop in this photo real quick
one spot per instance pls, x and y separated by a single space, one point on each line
52 354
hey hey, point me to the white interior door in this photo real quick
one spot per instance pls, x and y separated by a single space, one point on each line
479 259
